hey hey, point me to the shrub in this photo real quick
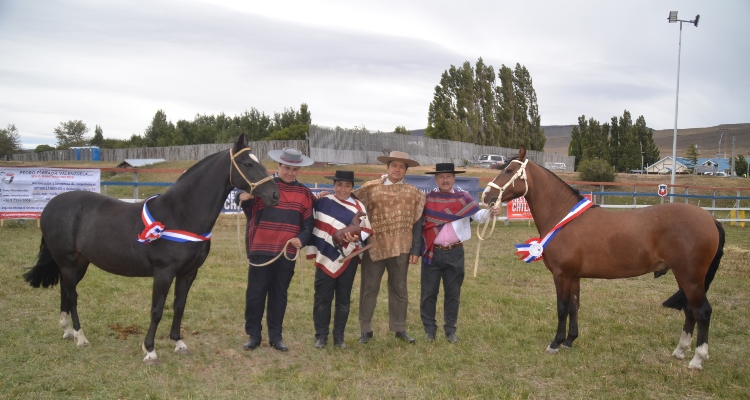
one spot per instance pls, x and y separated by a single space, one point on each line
596 171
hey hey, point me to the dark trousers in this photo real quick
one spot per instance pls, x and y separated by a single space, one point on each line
270 281
325 290
447 265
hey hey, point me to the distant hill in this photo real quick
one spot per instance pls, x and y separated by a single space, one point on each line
707 139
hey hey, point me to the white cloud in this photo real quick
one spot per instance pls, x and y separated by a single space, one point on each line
360 63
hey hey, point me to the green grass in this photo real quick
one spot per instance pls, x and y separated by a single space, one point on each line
507 319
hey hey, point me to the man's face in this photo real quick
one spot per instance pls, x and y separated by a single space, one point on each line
342 189
288 173
396 171
445 181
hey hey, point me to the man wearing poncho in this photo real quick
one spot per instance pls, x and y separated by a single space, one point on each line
395 212
447 217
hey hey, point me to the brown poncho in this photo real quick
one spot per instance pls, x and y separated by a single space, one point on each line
393 210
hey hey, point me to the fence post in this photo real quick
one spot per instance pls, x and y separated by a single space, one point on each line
135 185
713 201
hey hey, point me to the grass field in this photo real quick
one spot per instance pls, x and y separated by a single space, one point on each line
506 321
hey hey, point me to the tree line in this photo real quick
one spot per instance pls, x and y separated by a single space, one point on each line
291 124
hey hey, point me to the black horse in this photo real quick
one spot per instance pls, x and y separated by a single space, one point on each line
81 227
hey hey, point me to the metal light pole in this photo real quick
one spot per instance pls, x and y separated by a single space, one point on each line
673 18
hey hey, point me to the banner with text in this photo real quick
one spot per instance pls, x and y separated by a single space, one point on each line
24 192
519 208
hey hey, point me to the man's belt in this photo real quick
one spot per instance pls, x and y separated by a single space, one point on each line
448 247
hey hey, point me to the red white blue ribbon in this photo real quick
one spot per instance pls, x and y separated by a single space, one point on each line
533 249
155 230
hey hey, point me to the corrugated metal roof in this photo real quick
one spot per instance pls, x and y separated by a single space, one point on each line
139 162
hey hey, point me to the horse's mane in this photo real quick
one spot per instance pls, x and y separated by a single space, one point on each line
198 168
575 192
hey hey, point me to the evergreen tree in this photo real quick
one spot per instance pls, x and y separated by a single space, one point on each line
401 130
98 138
161 132
10 140
740 166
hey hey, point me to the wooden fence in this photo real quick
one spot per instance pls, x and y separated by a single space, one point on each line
342 146
327 145
171 153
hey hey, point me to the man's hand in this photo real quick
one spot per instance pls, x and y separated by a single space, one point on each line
413 259
296 243
495 211
322 194
245 196
349 237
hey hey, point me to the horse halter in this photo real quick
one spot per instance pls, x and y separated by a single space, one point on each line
521 173
252 185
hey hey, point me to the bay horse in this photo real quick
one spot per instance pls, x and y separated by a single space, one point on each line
79 228
607 244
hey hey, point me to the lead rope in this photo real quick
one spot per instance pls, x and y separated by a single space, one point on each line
479 244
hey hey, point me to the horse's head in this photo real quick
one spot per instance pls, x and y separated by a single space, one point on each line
248 174
504 188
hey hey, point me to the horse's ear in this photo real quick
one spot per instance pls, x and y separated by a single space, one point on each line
240 143
522 153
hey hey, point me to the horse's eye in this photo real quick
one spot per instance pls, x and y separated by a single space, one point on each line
247 164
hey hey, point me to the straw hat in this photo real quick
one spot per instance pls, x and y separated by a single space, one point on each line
398 156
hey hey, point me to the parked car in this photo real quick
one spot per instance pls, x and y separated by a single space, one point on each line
637 171
490 161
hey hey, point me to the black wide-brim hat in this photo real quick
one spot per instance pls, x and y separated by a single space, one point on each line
448 168
343 175
291 156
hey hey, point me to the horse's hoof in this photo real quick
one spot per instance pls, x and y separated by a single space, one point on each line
150 358
678 354
80 339
550 350
695 365
180 347
69 334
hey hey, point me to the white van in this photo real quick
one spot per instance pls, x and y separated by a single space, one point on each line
490 160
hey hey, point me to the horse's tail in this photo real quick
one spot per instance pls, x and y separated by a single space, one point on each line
45 273
679 300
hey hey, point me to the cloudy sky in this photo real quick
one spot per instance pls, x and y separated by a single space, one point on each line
361 63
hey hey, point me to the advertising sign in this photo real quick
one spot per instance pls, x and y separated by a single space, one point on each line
519 208
24 192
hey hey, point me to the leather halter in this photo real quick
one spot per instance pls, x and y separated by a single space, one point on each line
252 185
521 173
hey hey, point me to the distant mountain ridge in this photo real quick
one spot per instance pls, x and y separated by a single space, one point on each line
707 140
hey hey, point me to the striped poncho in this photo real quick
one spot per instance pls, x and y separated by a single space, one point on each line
269 228
332 214
441 208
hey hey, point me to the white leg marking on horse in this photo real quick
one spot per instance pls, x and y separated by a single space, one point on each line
550 350
684 344
150 355
68 331
80 339
701 354
180 345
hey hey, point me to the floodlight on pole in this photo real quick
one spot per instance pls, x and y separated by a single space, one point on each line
673 18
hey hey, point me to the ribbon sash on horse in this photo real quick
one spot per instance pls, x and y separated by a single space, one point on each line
533 248
155 230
